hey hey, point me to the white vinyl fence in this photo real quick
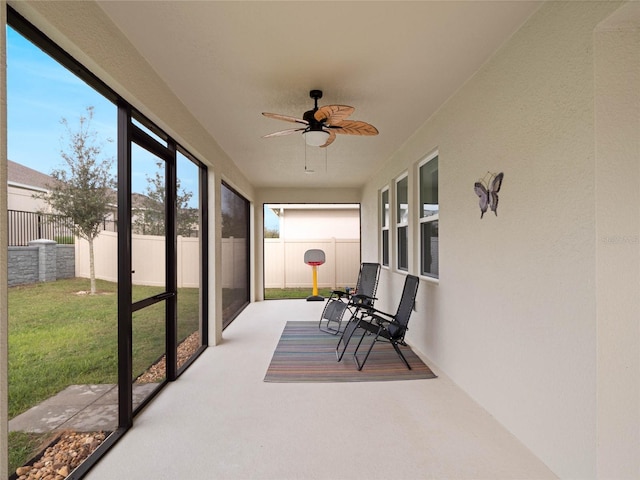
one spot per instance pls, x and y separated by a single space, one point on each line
284 265
148 259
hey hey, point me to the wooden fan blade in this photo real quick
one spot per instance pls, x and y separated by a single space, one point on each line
286 118
284 132
354 127
332 137
333 114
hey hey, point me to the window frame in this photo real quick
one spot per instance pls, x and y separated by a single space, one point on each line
385 222
427 219
402 224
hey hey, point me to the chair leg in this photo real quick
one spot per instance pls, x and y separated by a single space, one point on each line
345 338
399 352
355 353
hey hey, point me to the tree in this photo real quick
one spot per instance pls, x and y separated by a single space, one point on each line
149 217
271 232
83 189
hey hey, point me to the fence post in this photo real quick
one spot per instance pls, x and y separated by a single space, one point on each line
283 251
335 262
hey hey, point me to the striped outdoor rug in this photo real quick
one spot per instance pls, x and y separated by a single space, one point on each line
305 354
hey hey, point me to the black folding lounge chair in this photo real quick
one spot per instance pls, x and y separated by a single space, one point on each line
341 301
380 326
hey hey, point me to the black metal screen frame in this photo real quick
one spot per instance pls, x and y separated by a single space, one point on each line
227 321
127 134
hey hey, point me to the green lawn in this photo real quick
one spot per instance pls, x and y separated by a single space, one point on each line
282 293
58 338
24 446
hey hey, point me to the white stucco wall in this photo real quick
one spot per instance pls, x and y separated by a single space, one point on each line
513 319
617 107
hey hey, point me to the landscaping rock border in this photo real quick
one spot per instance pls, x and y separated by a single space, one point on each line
62 457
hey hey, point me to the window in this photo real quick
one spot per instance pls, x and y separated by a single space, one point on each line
384 222
429 217
402 222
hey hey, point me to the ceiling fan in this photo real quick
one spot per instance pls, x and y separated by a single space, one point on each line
322 124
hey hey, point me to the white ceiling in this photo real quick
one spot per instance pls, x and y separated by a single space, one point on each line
395 62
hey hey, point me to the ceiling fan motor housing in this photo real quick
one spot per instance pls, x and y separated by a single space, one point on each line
314 124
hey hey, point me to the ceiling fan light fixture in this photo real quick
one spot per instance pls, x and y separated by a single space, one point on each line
316 138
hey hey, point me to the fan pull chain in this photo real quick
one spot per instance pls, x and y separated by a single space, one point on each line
308 159
306 170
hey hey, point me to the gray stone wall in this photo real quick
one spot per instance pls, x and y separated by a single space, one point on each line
66 261
41 261
22 265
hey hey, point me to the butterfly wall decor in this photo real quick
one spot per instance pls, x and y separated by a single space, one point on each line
487 191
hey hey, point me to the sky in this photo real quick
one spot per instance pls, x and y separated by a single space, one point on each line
40 93
271 220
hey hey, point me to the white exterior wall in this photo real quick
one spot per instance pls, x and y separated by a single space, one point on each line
514 319
21 199
319 223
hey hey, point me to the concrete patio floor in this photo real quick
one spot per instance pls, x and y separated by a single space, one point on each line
220 420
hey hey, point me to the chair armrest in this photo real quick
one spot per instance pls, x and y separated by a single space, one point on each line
361 297
339 293
372 311
385 322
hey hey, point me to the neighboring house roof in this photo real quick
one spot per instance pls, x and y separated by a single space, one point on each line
18 174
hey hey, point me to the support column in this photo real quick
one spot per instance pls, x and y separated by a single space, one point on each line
617 201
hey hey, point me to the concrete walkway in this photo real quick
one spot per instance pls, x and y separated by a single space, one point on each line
84 408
